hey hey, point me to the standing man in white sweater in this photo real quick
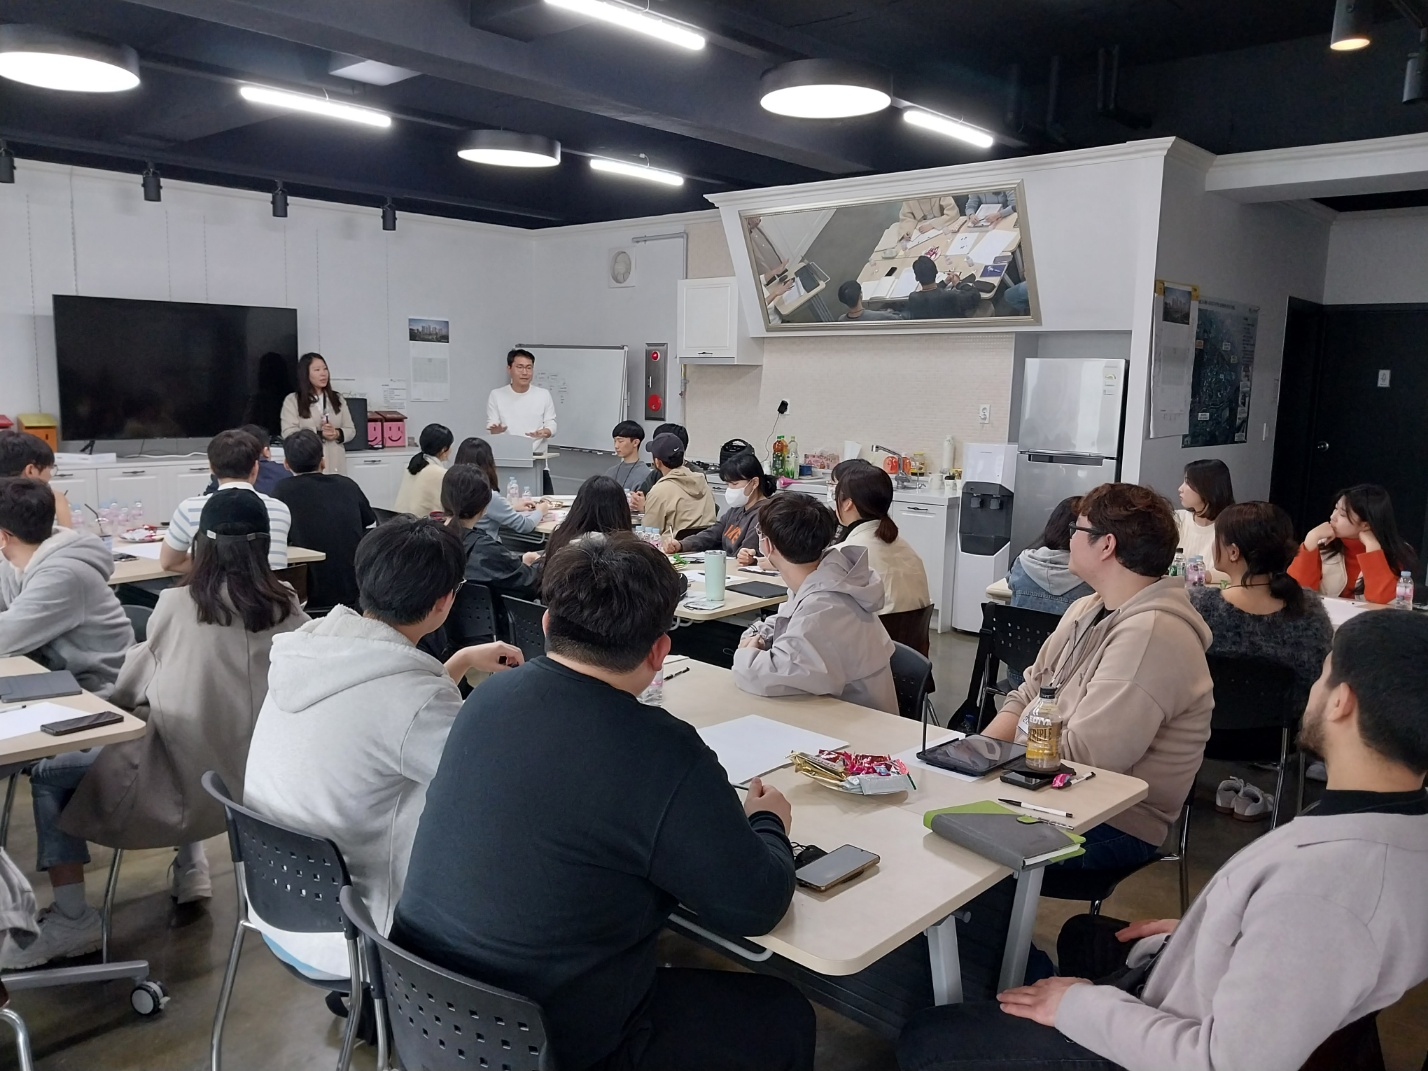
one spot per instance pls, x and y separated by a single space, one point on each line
1308 930
521 409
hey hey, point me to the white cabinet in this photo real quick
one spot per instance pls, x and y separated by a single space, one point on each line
146 484
379 474
188 481
80 487
709 328
926 527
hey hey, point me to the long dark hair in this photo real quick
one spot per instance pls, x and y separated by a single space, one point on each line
1370 504
231 574
1057 533
1264 534
305 394
1210 479
600 506
464 492
474 451
433 440
870 489
746 466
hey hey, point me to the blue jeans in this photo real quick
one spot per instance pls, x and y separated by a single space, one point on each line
52 784
1017 298
1107 848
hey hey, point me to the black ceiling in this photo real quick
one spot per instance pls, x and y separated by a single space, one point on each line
1230 75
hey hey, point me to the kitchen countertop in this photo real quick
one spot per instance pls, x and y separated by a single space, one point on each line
951 495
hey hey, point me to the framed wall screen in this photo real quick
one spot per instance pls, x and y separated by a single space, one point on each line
959 258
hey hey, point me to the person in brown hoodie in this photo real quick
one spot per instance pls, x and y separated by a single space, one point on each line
1128 663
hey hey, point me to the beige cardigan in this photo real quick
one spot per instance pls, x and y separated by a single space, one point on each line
420 494
334 453
903 575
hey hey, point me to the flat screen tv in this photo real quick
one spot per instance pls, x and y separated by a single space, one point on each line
170 369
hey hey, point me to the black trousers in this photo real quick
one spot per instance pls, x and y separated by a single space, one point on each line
981 1037
719 1021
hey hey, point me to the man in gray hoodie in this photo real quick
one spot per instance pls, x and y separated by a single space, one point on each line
1314 926
55 598
826 639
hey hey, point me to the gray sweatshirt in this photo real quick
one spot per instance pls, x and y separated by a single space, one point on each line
1314 925
63 609
827 639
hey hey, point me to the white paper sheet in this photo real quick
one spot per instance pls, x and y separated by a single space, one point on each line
933 739
1341 610
924 236
962 244
139 550
906 283
879 288
25 720
752 745
992 246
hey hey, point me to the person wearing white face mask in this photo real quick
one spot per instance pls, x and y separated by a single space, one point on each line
736 532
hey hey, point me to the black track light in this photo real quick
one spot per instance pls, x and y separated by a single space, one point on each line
1353 21
389 216
153 191
7 164
1415 78
280 202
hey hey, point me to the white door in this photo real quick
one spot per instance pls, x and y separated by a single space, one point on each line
142 486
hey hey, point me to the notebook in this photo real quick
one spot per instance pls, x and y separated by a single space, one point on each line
757 589
1004 836
28 687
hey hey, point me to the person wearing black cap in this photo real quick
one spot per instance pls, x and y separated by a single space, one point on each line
933 301
198 680
681 500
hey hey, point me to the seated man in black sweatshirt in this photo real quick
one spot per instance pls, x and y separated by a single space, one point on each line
565 822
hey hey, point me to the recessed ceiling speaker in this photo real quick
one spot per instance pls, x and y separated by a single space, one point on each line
824 89
75 63
508 148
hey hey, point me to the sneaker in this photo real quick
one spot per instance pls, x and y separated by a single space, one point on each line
1252 805
1225 795
190 885
1317 771
60 937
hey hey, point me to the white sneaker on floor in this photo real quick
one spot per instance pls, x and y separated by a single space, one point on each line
1253 805
60 937
1225 795
190 885
1316 771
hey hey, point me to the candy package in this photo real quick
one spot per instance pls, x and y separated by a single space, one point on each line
859 775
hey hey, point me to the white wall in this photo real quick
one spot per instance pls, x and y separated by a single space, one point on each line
79 231
1256 254
1378 258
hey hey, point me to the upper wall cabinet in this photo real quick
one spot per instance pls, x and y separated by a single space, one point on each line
710 328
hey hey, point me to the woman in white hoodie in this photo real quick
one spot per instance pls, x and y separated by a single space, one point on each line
1041 577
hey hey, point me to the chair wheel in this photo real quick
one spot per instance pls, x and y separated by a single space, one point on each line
149 997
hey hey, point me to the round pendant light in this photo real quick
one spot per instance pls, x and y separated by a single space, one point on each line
507 148
72 62
823 89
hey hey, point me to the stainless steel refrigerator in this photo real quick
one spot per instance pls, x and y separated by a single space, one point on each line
1072 416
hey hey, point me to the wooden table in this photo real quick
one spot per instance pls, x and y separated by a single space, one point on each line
735 602
149 569
879 264
921 879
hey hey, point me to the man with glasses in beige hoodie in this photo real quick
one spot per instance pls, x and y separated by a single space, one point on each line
1128 665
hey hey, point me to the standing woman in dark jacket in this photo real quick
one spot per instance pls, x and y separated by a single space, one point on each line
736 532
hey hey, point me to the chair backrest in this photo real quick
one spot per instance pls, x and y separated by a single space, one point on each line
441 1020
291 878
527 630
910 627
385 515
1019 633
912 673
473 617
139 620
1254 705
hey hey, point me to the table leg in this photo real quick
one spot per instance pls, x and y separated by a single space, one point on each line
1019 929
946 965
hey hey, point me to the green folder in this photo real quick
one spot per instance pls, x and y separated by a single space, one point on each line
1004 836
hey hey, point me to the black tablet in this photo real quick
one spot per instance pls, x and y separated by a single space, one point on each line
973 755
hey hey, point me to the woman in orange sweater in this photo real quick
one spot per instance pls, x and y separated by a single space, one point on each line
1357 550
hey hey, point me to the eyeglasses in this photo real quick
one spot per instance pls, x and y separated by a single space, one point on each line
460 584
1091 533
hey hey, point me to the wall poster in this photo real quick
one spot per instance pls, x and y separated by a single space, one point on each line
1225 334
1172 357
430 342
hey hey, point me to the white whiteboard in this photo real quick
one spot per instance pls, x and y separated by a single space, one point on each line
588 385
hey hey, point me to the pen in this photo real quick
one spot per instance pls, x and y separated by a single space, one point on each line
676 673
1034 807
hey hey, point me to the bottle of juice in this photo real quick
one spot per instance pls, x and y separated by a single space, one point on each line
780 456
1043 734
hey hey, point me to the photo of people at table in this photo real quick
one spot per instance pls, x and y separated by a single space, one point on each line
944 256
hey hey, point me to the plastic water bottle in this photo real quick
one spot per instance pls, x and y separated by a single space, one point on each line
653 695
525 492
1177 567
1195 572
136 512
1403 594
513 491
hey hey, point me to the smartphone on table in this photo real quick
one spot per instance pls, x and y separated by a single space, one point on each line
81 723
839 865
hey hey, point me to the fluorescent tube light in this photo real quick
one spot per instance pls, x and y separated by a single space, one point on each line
300 102
951 128
634 19
639 171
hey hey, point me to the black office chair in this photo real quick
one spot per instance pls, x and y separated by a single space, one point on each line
441 1021
473 617
385 515
291 879
139 620
1255 718
526 622
685 533
1096 886
1017 637
912 673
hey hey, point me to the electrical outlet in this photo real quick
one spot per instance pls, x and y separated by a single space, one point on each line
1384 375
984 414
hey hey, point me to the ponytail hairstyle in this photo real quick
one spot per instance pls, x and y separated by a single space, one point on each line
1368 503
464 492
475 451
746 466
870 490
1210 479
434 439
1264 534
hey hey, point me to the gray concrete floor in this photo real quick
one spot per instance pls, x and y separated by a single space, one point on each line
277 1022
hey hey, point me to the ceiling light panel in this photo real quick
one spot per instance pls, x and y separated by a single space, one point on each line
301 102
636 171
952 128
507 148
823 89
73 63
636 20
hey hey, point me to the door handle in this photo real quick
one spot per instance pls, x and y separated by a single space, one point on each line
1322 445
